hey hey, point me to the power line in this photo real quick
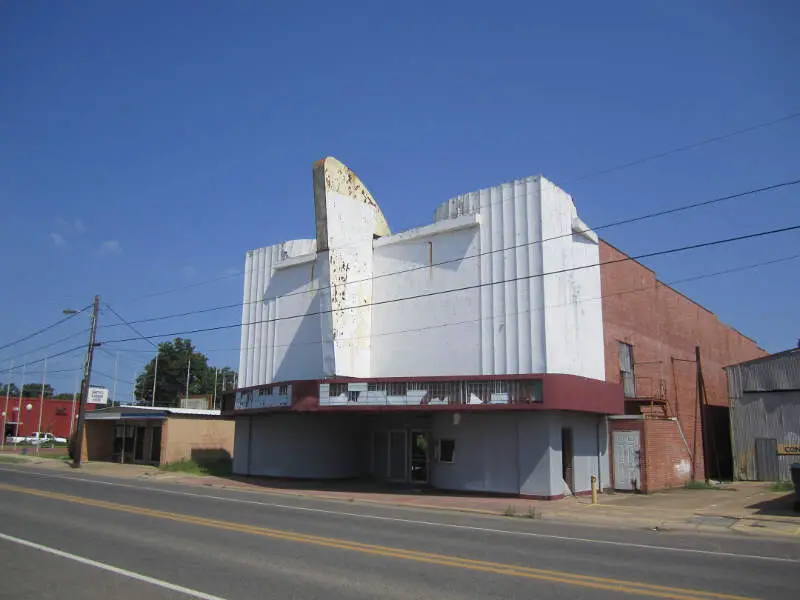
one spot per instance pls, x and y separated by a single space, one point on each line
661 213
56 355
485 284
131 327
691 146
583 177
49 345
43 329
96 372
531 310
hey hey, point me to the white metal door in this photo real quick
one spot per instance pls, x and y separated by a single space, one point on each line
626 460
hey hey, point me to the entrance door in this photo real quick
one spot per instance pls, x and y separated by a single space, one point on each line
626 460
567 457
419 457
138 452
155 452
398 456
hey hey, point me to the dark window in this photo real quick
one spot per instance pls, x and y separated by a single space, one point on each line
284 390
352 396
447 451
337 389
626 374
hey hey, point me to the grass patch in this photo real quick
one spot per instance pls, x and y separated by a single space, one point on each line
11 460
510 511
782 486
190 466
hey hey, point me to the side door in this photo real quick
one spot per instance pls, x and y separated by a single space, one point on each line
626 460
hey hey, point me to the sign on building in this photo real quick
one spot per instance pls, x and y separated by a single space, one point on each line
97 395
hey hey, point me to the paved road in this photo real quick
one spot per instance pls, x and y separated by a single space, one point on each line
86 537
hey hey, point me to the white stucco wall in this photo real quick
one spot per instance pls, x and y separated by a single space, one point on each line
503 302
426 335
280 315
305 446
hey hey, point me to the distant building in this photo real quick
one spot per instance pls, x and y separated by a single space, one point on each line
56 416
765 416
483 352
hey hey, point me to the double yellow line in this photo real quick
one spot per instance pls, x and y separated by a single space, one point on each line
599 583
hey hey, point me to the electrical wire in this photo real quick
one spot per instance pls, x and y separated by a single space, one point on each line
483 284
538 309
57 354
131 327
639 218
43 329
49 345
583 177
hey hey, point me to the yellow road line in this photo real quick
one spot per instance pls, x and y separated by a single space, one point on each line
601 583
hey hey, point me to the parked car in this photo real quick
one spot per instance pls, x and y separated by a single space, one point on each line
37 438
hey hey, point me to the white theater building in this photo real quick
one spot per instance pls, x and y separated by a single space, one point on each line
466 354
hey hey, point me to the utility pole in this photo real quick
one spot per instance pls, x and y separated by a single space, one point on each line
19 403
116 369
41 401
701 399
87 373
155 377
216 374
188 372
5 410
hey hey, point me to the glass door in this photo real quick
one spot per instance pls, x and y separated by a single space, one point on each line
419 457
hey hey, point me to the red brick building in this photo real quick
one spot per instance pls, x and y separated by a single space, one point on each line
651 333
55 416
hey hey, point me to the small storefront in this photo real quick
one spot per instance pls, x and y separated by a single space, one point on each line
156 435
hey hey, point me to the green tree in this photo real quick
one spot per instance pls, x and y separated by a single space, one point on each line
173 363
34 390
10 389
63 396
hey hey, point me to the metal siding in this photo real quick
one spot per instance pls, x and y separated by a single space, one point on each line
756 412
770 415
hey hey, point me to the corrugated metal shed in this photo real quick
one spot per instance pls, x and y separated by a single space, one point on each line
765 415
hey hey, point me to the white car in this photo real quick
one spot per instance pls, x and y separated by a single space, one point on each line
39 438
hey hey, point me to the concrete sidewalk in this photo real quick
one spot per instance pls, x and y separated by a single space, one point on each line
743 507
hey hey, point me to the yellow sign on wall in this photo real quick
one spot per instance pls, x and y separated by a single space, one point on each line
789 449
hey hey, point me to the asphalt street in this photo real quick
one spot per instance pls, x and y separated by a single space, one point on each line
89 537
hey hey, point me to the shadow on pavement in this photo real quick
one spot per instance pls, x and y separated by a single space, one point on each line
782 506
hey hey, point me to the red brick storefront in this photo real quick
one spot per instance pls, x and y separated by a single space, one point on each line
55 415
663 327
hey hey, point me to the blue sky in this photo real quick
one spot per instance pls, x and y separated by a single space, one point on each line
145 146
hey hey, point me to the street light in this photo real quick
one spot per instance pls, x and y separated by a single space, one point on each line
70 311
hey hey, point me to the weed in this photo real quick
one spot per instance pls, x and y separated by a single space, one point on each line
510 511
532 512
782 486
192 467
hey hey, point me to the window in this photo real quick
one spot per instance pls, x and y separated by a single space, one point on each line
352 396
337 389
626 374
447 451
283 390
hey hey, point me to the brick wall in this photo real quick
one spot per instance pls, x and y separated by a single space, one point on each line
664 459
198 438
664 326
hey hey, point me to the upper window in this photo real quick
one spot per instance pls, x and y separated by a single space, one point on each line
626 374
